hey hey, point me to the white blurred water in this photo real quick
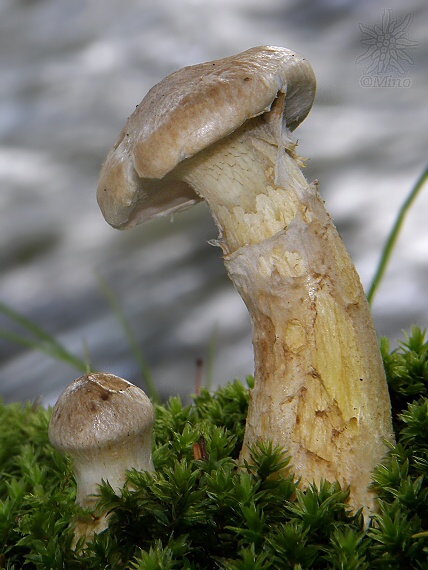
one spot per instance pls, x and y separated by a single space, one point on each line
71 72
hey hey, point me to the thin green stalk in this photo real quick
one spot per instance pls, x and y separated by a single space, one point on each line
130 337
393 235
38 339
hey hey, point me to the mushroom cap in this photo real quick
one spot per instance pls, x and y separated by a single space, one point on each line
97 412
185 113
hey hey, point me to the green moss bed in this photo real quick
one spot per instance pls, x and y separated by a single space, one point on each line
206 513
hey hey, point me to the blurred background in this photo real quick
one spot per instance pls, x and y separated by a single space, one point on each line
71 73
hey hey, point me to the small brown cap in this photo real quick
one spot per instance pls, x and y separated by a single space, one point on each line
185 113
98 411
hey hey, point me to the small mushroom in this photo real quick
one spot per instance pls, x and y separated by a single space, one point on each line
104 424
221 131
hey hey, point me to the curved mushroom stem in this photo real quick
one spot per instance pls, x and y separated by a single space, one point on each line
320 389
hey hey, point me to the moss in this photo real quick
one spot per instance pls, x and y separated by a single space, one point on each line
204 513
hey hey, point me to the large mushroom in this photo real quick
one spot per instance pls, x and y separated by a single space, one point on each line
105 425
221 131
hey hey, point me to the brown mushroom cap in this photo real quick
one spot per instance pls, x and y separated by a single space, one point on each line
187 112
99 412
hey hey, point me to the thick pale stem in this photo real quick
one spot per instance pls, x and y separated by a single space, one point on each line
320 389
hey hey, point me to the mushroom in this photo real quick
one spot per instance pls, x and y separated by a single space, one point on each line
221 131
104 424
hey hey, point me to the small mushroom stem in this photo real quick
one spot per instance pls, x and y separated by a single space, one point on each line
320 388
110 466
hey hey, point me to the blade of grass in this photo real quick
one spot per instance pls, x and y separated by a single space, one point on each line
130 337
37 339
393 235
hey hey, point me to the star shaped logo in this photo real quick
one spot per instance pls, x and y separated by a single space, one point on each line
387 46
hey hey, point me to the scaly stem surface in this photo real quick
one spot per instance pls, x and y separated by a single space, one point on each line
320 389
